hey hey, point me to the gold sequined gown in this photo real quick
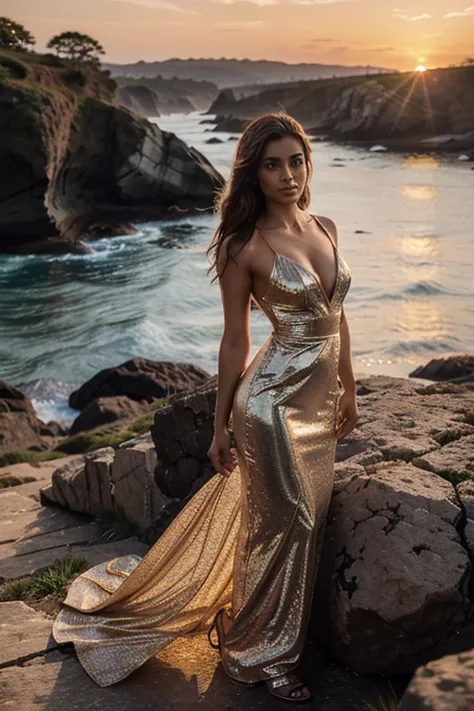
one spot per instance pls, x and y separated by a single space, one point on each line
249 542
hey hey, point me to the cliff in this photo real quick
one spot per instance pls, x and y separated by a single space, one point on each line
437 106
74 164
169 95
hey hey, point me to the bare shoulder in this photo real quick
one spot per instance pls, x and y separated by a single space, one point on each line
233 252
330 225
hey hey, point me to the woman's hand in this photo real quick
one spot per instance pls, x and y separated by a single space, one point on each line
221 454
347 414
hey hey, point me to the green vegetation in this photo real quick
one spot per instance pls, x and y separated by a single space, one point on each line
105 436
52 581
14 35
76 47
115 527
17 456
8 481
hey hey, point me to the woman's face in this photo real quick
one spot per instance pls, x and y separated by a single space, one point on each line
282 173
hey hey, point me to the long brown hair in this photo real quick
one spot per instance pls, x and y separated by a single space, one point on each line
241 201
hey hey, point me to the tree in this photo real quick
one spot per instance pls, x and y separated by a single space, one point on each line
77 47
14 35
469 61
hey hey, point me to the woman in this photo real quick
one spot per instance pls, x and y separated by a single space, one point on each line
249 541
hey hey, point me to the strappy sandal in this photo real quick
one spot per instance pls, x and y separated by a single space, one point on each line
287 680
218 627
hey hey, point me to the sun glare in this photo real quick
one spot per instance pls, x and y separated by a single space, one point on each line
421 68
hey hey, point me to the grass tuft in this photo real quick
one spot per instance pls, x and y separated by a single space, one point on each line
116 527
7 481
52 581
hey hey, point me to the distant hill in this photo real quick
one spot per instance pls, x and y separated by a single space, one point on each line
227 73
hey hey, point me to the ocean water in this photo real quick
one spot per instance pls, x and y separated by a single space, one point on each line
406 229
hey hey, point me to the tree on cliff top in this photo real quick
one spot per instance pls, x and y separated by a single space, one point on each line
77 47
13 35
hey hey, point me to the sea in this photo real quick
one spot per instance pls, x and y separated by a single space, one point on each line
406 230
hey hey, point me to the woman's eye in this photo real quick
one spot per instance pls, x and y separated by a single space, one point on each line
297 161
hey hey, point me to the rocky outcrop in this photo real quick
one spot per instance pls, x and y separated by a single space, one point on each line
105 410
20 428
71 160
454 368
379 109
446 684
119 482
139 379
139 98
395 587
400 569
224 105
147 482
403 110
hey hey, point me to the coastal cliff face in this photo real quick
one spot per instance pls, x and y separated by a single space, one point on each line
147 96
74 164
387 106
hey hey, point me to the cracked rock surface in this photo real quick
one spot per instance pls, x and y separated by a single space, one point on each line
446 684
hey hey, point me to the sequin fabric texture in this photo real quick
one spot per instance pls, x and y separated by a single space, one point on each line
250 542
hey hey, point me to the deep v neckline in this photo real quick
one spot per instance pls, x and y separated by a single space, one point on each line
314 275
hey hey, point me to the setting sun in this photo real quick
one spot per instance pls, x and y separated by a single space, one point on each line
420 68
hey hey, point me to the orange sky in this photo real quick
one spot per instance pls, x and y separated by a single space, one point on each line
398 34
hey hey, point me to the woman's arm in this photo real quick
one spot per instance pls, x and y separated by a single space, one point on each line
346 372
348 413
235 284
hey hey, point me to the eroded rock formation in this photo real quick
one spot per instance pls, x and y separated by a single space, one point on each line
72 161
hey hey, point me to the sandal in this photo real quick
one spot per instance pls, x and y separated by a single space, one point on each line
219 631
217 626
287 680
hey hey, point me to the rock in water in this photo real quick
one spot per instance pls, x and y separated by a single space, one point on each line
20 428
456 367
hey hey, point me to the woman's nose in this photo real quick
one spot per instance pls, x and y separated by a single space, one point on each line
286 173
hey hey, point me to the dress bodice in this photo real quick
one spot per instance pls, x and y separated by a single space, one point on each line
296 302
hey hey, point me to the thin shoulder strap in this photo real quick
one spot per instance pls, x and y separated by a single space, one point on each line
265 238
323 227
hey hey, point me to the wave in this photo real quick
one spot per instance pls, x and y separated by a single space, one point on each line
423 287
423 346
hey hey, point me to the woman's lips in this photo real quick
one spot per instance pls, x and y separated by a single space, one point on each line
289 189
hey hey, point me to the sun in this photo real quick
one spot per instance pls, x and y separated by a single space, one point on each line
420 68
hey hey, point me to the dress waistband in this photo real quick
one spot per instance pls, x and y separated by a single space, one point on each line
308 330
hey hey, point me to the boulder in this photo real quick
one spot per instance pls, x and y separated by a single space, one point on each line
105 410
20 428
119 481
398 585
454 368
182 433
445 684
84 484
139 379
136 495
231 125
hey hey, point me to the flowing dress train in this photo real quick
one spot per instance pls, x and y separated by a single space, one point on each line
250 542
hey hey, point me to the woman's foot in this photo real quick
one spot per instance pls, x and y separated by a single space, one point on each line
288 687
